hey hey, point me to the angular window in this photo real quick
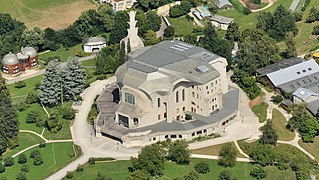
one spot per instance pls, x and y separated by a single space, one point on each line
177 98
183 95
158 102
129 98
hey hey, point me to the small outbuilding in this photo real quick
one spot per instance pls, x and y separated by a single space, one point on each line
221 22
93 44
203 12
224 4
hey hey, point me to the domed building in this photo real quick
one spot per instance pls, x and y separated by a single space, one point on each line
10 64
24 60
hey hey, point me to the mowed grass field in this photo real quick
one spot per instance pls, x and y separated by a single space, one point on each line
56 14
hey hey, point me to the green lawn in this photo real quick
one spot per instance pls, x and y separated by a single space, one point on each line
55 156
261 111
23 117
214 150
182 25
119 170
30 84
64 53
90 62
279 122
312 148
25 140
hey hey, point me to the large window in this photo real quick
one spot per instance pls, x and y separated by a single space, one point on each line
129 98
158 102
183 95
177 98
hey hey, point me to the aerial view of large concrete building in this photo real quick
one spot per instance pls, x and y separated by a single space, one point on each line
119 5
170 90
24 60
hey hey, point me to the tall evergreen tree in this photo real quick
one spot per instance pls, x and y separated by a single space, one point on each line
291 49
269 135
52 85
74 79
9 123
232 33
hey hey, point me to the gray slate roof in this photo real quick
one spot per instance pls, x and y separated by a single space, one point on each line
29 51
172 60
304 93
279 65
313 107
10 59
222 19
222 3
94 41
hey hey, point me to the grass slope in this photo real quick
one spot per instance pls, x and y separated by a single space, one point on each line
261 111
57 14
279 123
214 150
312 148
182 25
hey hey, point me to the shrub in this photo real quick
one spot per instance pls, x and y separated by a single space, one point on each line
22 158
315 30
21 176
227 156
247 11
224 175
37 160
188 117
191 176
69 175
9 161
91 160
19 84
34 153
258 173
2 168
42 145
22 106
25 168
37 85
32 116
39 122
277 99
31 98
69 114
47 60
202 167
169 31
79 168
179 152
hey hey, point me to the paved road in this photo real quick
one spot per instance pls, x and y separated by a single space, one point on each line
216 157
81 133
42 71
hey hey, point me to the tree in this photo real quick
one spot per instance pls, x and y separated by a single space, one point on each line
313 15
69 36
169 31
51 58
291 49
246 82
74 79
109 59
8 119
201 167
227 156
190 38
22 159
106 16
263 154
100 176
269 135
151 160
32 116
138 175
69 114
191 176
25 168
224 175
89 24
212 42
8 161
69 174
121 25
148 21
179 152
31 98
150 38
21 176
33 37
256 50
258 172
37 160
51 87
232 33
34 153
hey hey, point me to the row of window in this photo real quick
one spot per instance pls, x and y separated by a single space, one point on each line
177 96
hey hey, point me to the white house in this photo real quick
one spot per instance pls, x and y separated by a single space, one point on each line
93 44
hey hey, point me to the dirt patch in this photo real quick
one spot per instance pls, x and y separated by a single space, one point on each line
61 16
251 5
255 101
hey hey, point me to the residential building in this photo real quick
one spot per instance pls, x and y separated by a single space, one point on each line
203 12
224 4
171 90
93 44
221 22
24 60
119 5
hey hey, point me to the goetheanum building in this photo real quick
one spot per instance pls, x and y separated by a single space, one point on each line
170 90
24 60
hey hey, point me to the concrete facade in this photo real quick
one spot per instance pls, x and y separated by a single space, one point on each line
119 5
159 86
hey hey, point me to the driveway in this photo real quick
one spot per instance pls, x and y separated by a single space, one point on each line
42 71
